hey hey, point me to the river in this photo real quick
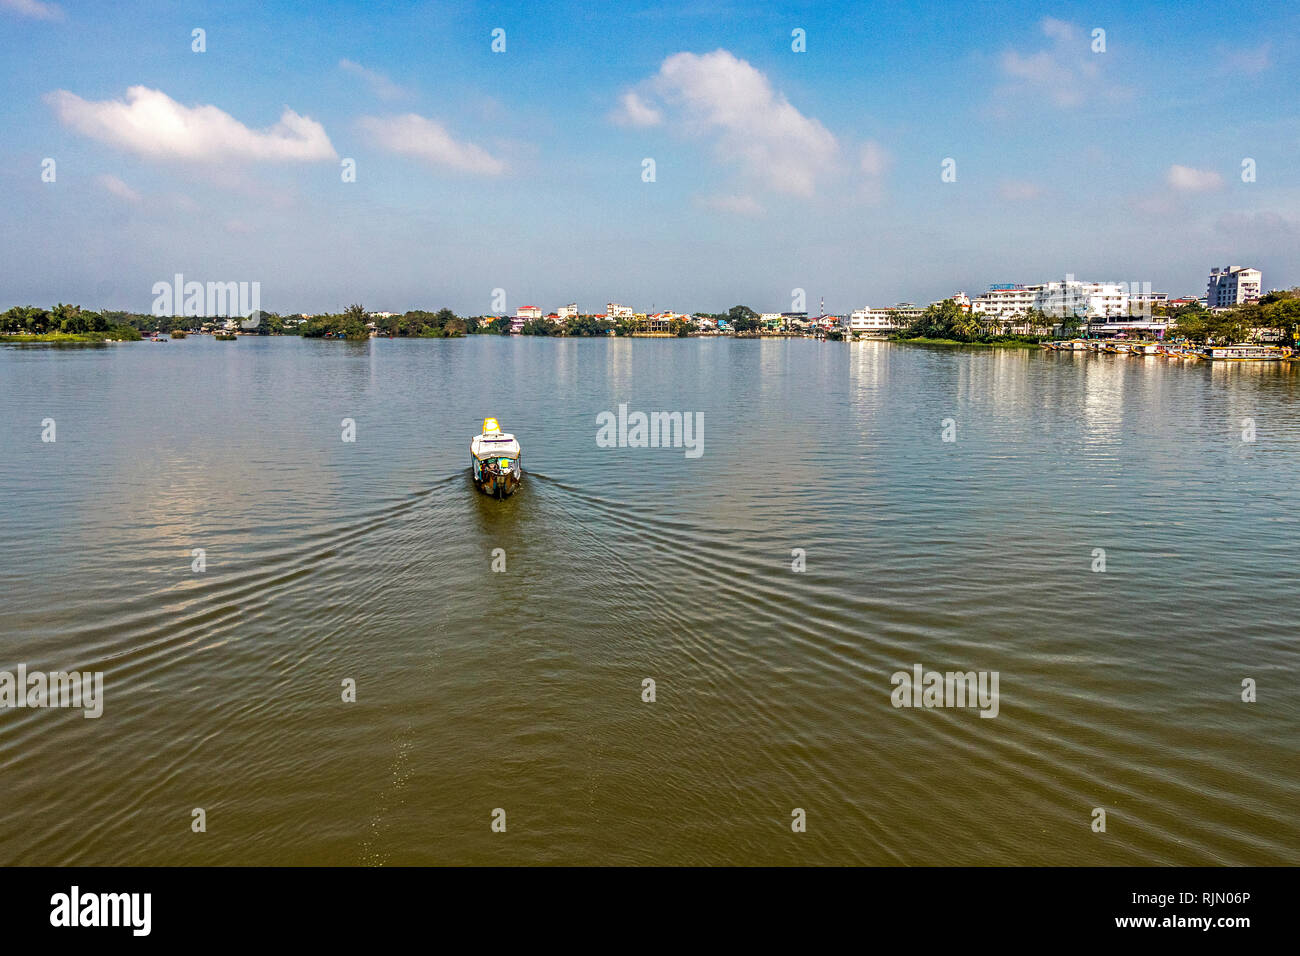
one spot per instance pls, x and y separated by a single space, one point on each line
327 562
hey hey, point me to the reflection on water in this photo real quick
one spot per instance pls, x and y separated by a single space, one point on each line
372 561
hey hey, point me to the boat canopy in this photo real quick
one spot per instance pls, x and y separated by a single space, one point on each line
494 445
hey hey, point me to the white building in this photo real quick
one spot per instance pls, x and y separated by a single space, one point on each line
1232 286
1090 300
615 311
569 311
1006 300
887 319
528 312
1070 297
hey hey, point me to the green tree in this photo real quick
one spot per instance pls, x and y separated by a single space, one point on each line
742 318
587 325
538 327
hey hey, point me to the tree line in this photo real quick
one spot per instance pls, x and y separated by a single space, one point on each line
948 320
1275 314
66 319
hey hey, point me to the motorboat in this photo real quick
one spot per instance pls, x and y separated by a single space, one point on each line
495 460
1245 353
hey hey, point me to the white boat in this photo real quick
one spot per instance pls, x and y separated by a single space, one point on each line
1245 353
495 460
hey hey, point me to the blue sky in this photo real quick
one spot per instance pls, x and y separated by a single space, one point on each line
522 170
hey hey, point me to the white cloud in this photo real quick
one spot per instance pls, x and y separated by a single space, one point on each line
34 9
1018 190
1187 179
381 85
426 139
1067 74
723 98
1059 29
118 188
740 205
873 159
153 124
634 111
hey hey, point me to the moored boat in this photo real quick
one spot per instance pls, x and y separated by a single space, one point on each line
1245 353
495 460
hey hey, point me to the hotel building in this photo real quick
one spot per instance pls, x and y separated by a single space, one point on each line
1232 286
1006 299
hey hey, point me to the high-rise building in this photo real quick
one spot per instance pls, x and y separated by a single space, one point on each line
1092 300
1232 286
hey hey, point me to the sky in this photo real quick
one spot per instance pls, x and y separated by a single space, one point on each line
1112 156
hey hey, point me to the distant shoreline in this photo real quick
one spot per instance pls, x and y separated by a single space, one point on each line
99 338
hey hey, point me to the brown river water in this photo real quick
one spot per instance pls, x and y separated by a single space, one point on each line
327 561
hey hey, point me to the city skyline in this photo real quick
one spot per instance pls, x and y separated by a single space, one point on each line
524 170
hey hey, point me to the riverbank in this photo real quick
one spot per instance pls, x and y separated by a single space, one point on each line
115 335
1009 344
